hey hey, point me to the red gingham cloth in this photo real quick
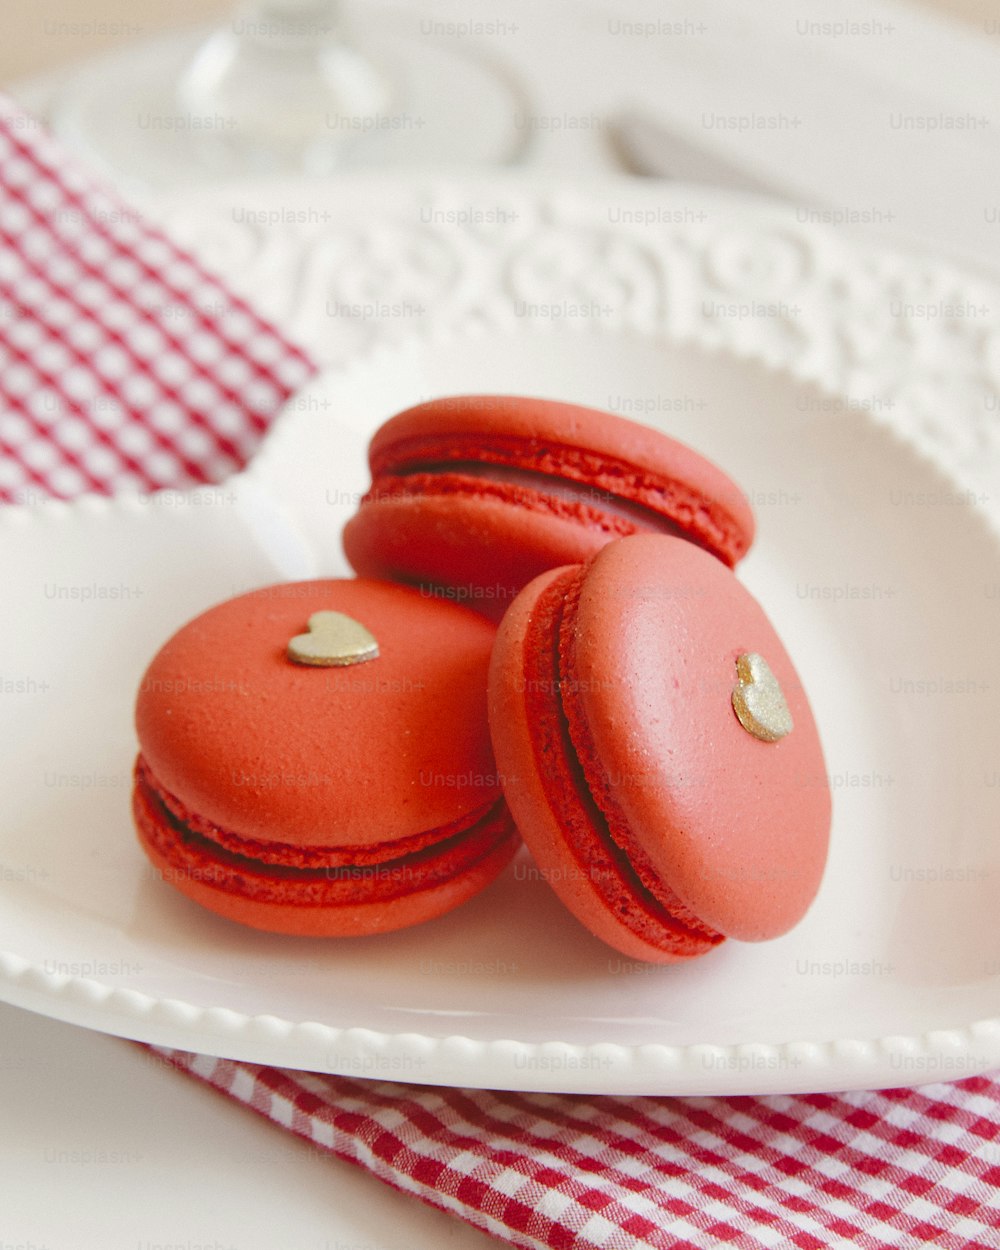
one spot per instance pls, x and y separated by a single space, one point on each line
124 365
896 1168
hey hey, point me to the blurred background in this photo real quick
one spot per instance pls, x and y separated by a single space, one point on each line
877 110
40 37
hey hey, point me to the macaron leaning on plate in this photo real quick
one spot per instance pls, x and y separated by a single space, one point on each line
658 751
478 494
314 758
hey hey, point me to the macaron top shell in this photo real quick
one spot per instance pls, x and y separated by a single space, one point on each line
571 443
268 749
735 825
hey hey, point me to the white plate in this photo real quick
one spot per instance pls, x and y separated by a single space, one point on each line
864 444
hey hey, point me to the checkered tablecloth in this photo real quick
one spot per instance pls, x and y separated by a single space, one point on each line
124 366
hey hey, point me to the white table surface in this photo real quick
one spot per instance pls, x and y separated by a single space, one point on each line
102 1146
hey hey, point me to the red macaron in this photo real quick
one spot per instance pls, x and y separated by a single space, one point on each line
475 495
314 758
658 751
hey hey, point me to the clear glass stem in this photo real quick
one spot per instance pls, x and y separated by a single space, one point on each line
280 80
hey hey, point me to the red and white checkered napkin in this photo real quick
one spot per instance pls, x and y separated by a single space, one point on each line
124 365
900 1168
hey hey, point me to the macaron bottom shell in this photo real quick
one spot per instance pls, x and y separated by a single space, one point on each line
336 900
546 788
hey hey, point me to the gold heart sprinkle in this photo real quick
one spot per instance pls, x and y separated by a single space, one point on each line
333 639
758 701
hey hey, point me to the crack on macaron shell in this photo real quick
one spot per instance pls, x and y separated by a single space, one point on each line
606 866
193 857
307 857
596 778
701 518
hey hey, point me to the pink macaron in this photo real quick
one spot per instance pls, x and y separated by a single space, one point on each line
475 495
658 751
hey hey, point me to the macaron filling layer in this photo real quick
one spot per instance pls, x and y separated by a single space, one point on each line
599 784
590 506
333 876
616 870
634 497
285 855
